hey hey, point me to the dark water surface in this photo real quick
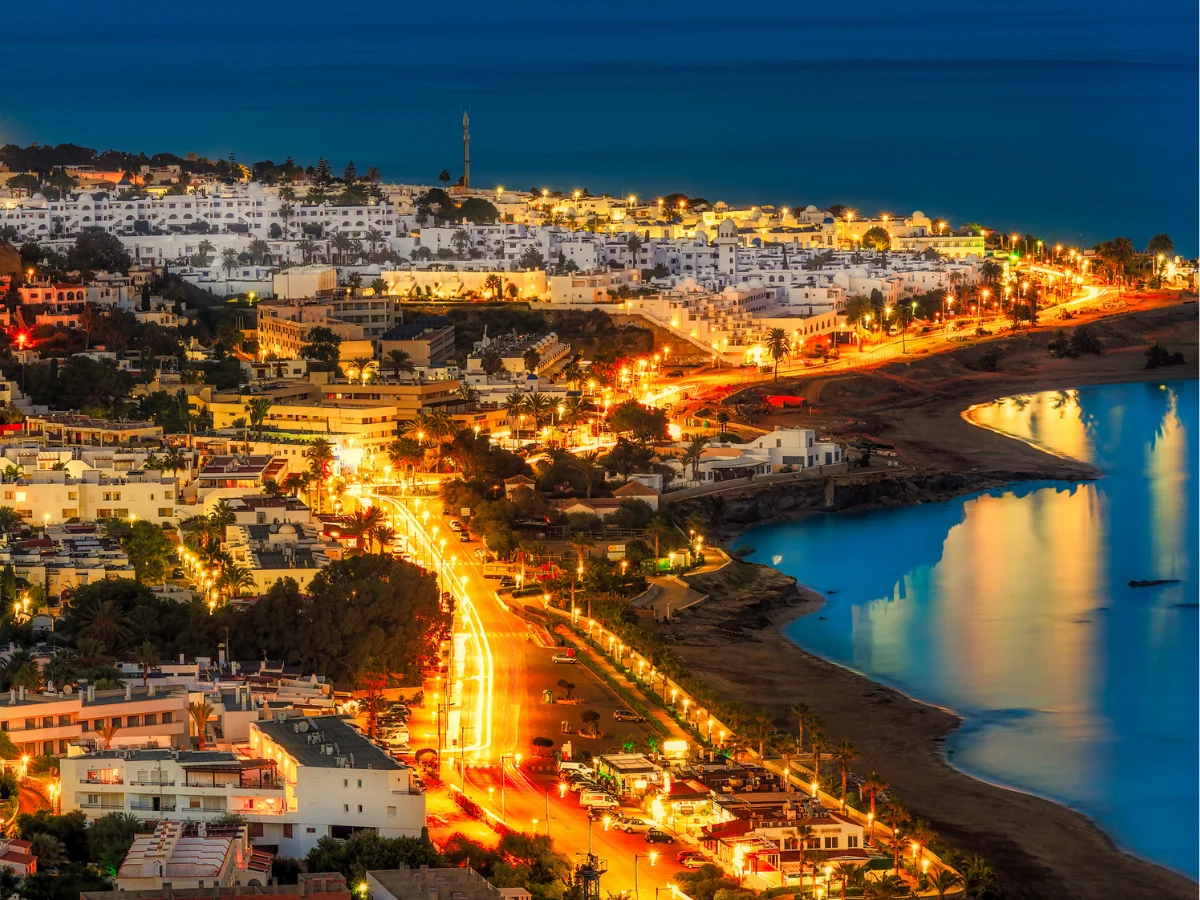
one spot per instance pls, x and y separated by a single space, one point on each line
1068 119
1013 609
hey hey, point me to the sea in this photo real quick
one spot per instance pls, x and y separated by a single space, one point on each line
1072 120
1013 608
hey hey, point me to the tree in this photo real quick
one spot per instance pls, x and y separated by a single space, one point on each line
400 362
871 789
778 346
591 720
146 656
541 746
107 732
1159 245
846 754
531 358
229 260
320 457
322 347
98 250
444 177
944 881
531 258
110 837
256 409
149 550
818 742
568 686
877 239
642 423
199 713
104 621
693 454
977 876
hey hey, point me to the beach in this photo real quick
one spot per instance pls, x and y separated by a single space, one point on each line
734 641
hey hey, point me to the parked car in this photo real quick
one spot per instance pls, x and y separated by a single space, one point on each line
455 525
691 859
675 373
508 581
627 715
656 836
563 658
578 786
630 824
598 800
570 767
465 537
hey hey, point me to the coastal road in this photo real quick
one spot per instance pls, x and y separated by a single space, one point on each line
504 664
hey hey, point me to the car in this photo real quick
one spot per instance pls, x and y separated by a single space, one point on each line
691 859
583 784
465 537
177 573
656 836
598 800
479 553
627 715
675 373
630 824
455 525
507 581
571 767
564 659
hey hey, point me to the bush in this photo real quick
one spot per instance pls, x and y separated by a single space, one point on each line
1157 355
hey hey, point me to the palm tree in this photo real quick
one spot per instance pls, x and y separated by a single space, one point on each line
147 657
760 730
818 742
61 669
885 888
13 472
229 260
363 367
977 876
174 460
693 453
460 240
846 754
778 346
588 464
203 250
222 516
341 243
872 788
847 874
294 483
493 285
257 408
320 456
383 534
537 405
200 712
374 239
400 362
944 882
531 358
306 246
897 818
107 732
514 405
104 621
801 713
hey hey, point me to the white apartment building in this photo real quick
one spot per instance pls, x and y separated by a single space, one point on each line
52 497
298 780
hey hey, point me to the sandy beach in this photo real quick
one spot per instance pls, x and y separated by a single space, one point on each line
733 641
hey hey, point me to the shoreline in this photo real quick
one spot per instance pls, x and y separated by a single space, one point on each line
813 606
1040 846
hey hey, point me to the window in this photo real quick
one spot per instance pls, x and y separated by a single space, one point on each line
30 724
852 841
345 782
814 843
287 829
831 843
360 782
132 721
150 719
166 720
84 725
165 512
193 802
391 811
64 720
310 830
47 721
360 807
345 807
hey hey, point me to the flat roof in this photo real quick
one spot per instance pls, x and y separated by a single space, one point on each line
294 736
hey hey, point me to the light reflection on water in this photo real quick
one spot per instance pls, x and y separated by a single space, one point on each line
1013 608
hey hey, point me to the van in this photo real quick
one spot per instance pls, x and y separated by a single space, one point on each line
398 737
569 766
597 799
496 570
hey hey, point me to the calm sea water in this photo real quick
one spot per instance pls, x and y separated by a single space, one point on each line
1012 608
1069 118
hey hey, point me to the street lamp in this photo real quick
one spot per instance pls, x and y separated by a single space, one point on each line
652 856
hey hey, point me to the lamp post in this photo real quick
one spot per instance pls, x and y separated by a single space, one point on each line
653 857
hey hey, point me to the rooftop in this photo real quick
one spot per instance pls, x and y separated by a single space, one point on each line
304 739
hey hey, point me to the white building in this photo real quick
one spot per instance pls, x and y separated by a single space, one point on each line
52 497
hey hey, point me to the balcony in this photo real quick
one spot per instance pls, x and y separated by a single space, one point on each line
102 780
153 783
162 807
114 807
